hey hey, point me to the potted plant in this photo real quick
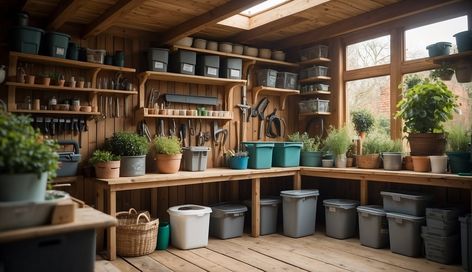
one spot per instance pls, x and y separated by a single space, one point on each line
363 121
81 82
310 154
351 154
373 145
107 165
424 108
45 79
168 154
27 160
338 142
132 149
237 160
445 72
57 79
458 152
392 155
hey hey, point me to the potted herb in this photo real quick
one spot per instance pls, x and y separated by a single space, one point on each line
27 160
45 79
310 154
363 121
458 141
424 108
445 72
237 160
57 79
168 154
338 142
392 155
107 165
132 149
373 145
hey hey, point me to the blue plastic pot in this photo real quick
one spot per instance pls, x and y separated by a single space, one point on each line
239 163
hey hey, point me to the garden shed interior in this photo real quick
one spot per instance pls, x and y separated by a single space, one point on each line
271 117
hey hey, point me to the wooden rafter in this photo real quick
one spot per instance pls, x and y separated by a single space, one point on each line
106 20
63 12
209 18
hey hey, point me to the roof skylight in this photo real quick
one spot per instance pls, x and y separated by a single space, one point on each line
266 5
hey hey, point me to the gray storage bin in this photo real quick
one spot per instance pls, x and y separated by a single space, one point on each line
446 230
373 226
466 242
406 203
286 80
441 249
231 68
227 220
266 77
158 58
183 62
195 158
68 161
299 212
341 218
269 208
315 71
405 234
445 219
317 51
208 65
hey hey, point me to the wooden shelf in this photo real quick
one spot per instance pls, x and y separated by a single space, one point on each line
175 77
70 89
56 112
314 61
283 93
316 93
143 113
301 115
223 54
67 63
315 79
452 57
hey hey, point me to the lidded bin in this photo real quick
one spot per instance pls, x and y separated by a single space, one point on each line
183 62
208 65
405 234
195 158
190 226
158 58
260 154
341 217
406 203
56 44
231 68
299 212
227 220
373 226
269 207
286 154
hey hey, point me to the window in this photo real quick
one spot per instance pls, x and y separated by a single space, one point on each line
372 94
368 53
417 39
266 5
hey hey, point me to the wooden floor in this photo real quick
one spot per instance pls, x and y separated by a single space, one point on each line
275 253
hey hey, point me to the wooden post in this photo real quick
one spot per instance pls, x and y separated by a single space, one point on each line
100 205
154 202
297 181
255 209
111 230
364 192
396 52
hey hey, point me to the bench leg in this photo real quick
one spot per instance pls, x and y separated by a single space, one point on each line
256 208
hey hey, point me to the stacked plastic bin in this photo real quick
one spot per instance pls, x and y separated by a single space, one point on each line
466 242
373 226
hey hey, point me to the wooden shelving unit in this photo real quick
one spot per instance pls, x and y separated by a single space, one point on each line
302 115
315 93
452 57
283 93
143 113
315 79
55 112
314 61
69 89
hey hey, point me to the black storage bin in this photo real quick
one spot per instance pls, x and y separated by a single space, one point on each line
231 68
158 58
266 77
183 62
286 80
26 39
72 252
56 44
208 65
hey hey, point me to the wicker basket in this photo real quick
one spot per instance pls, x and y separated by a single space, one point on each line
136 234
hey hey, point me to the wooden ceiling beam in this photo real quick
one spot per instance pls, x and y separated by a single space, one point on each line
64 12
211 17
107 19
369 19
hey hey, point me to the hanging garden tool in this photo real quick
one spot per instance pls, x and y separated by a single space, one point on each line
258 111
276 126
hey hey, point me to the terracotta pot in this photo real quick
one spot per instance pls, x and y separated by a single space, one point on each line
370 161
107 170
61 82
408 163
168 164
421 163
80 84
30 79
427 144
46 81
350 162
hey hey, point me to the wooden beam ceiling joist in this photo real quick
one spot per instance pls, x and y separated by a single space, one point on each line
64 12
107 19
211 17
379 16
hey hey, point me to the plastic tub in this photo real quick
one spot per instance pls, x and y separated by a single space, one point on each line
231 68
464 41
195 158
269 208
286 154
316 71
405 234
158 58
183 62
227 220
341 217
441 249
208 65
286 80
266 77
317 51
373 226
439 49
238 162
73 51
260 154
407 203
466 242
56 44
299 212
69 161
27 39
313 105
190 226
96 55
443 221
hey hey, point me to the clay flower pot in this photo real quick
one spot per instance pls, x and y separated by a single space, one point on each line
61 82
168 164
107 170
46 81
421 163
408 163
30 79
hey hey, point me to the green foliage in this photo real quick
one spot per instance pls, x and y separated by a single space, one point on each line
445 69
23 149
410 81
338 141
167 145
457 139
310 144
426 106
377 142
232 153
127 144
103 156
363 120
394 146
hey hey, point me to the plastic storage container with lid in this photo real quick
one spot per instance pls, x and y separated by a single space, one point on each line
183 62
195 158
208 65
441 249
231 68
269 208
266 77
405 233
286 80
286 154
95 55
406 203
299 212
227 220
373 226
341 217
158 58
466 242
190 226
260 154
56 44
26 39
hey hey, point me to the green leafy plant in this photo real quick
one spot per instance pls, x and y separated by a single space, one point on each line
426 106
375 143
394 146
457 139
443 72
167 145
338 141
103 156
127 144
410 81
310 144
363 120
23 149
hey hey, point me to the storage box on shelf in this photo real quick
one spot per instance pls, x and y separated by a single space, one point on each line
314 52
313 106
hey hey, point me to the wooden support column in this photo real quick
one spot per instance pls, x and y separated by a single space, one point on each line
255 209
154 202
100 205
338 104
297 181
397 56
364 187
111 234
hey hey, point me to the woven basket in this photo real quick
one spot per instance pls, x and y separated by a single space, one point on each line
136 234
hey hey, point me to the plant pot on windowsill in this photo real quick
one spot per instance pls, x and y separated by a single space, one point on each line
458 149
369 161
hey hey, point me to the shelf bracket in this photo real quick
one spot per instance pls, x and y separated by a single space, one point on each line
143 77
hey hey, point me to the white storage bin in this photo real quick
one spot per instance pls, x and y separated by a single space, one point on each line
96 55
189 226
